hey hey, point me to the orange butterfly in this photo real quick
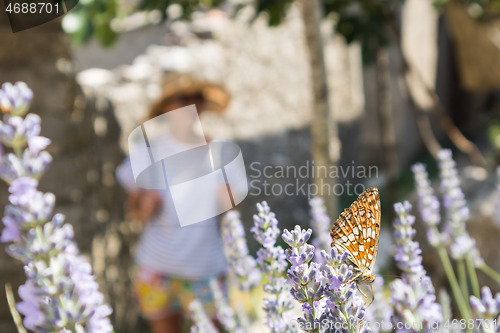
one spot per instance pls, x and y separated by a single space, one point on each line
357 231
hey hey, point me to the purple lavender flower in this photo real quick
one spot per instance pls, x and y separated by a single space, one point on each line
201 322
415 304
60 294
413 296
15 99
16 132
271 260
344 306
265 228
329 302
486 308
457 211
242 265
305 276
428 203
408 251
225 314
320 224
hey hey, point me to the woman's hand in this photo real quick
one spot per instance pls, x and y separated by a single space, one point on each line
143 205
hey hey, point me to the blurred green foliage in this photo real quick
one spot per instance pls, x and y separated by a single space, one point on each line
356 20
160 5
275 9
188 6
478 9
494 134
367 21
93 19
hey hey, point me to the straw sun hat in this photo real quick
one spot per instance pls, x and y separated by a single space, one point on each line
214 96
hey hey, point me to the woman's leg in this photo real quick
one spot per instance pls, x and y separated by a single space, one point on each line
156 294
170 324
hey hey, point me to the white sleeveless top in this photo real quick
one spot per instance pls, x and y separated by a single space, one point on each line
192 252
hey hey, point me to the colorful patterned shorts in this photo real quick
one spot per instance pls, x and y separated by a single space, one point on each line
160 295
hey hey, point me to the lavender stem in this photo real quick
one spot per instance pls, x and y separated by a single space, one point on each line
472 275
462 276
450 274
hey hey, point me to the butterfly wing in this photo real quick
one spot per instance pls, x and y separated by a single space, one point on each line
357 230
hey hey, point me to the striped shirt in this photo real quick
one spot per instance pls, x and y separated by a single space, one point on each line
192 252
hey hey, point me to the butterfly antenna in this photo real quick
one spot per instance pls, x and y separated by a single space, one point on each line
394 276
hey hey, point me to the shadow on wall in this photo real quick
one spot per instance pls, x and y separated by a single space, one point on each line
280 171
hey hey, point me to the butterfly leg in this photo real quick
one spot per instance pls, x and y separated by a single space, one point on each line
354 278
365 295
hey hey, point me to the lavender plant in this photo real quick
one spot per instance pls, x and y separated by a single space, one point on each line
328 301
454 236
271 260
463 246
225 314
408 251
488 309
413 295
243 267
429 211
323 284
345 308
305 276
201 322
60 293
320 224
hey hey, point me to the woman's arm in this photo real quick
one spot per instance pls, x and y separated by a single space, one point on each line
143 205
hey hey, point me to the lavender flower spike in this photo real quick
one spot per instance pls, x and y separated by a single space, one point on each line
15 99
60 294
243 266
320 224
328 301
413 296
271 260
201 322
488 309
428 203
344 306
408 251
462 244
225 313
16 133
305 277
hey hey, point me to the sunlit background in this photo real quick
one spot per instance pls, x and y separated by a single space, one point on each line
385 84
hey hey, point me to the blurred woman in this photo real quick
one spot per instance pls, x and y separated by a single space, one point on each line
174 263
